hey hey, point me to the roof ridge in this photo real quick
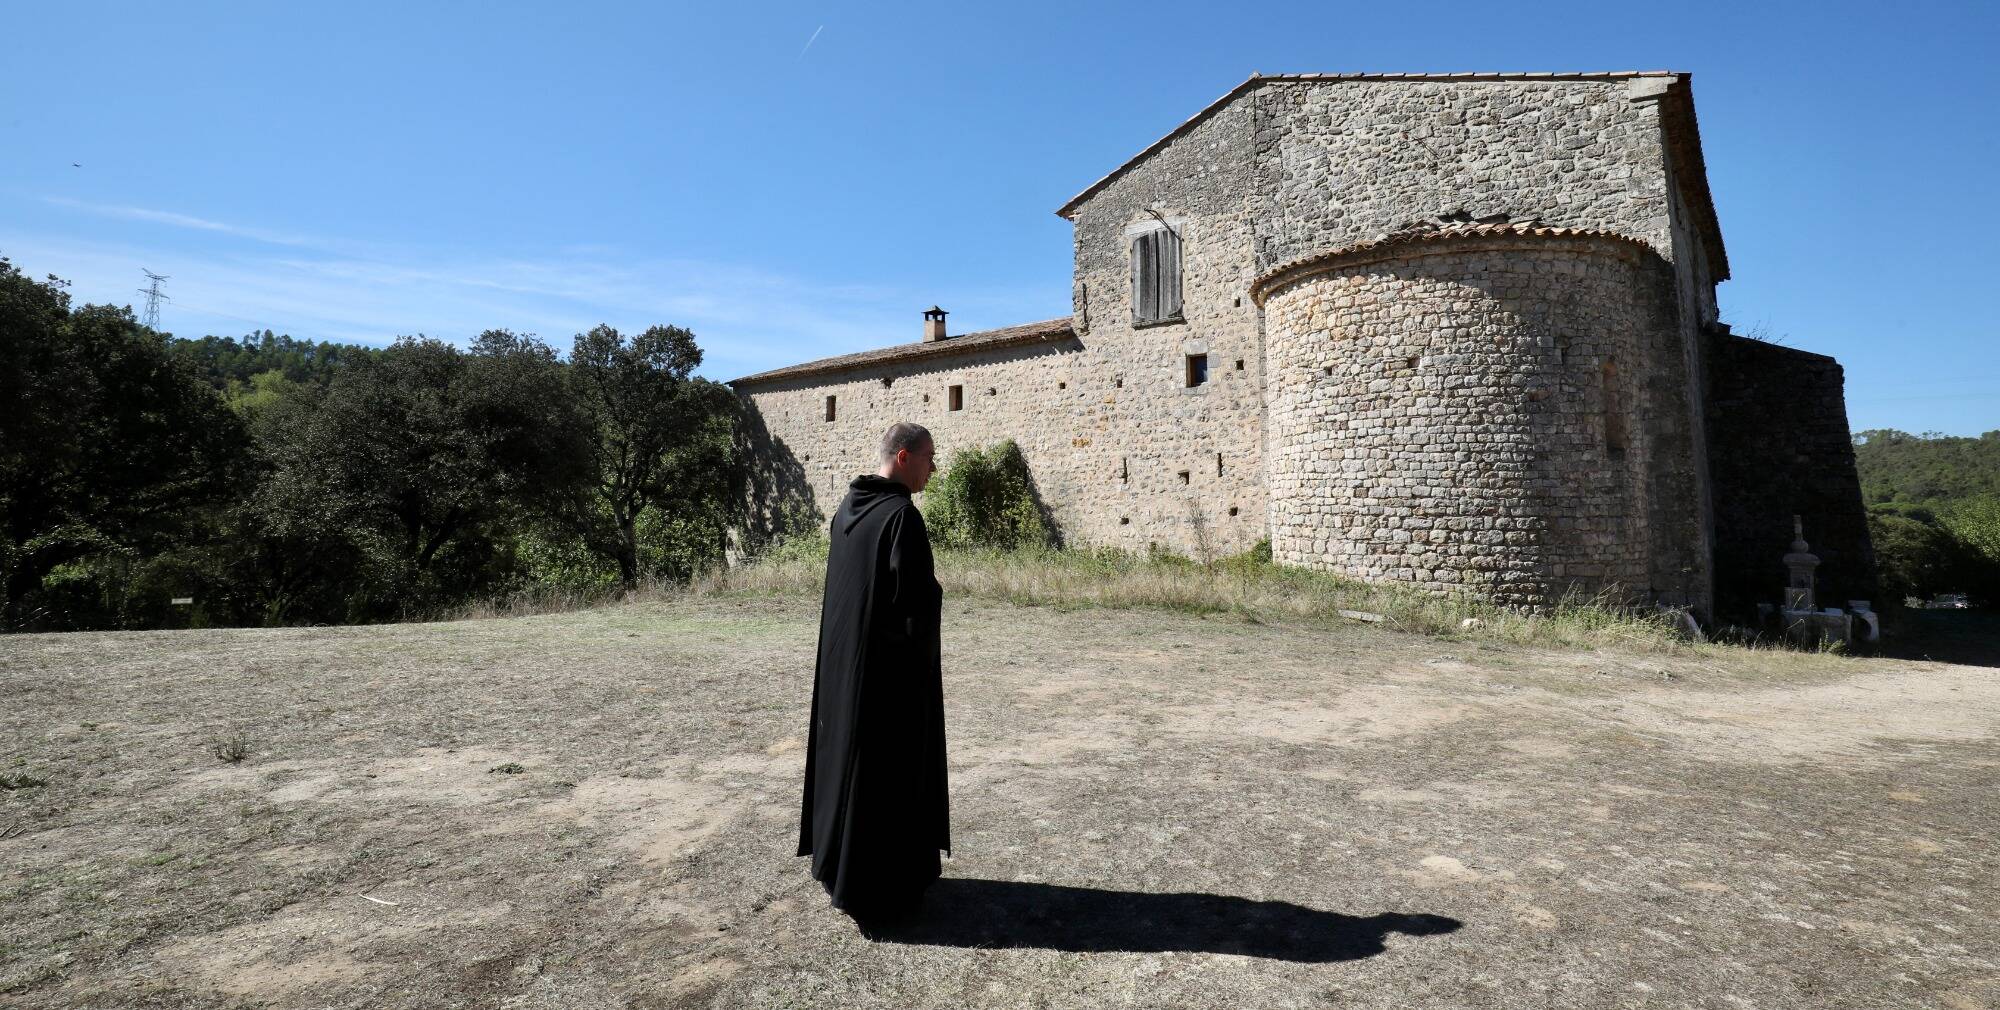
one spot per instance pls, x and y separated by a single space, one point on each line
1459 75
1003 336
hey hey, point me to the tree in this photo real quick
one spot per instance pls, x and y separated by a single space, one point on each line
1975 521
416 450
1914 558
224 361
107 441
664 442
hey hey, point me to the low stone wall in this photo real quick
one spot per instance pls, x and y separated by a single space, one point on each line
1779 446
1439 414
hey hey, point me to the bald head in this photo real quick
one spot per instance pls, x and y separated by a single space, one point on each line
906 452
903 435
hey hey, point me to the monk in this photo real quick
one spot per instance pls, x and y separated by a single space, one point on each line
875 812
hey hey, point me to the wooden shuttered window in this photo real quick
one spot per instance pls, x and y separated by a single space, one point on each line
1156 276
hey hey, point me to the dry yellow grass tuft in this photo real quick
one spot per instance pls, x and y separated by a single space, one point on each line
1257 590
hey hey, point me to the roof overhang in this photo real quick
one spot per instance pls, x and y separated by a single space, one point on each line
1045 332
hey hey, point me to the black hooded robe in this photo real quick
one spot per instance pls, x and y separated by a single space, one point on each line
875 811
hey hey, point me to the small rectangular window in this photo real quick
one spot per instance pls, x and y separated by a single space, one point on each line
829 408
1156 276
1197 369
957 398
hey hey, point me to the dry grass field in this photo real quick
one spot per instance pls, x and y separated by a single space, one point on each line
1150 808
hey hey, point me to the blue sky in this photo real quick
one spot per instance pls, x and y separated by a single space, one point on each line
795 180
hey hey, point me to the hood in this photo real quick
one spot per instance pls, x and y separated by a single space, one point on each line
867 493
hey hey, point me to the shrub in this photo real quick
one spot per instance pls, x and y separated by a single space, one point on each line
986 499
1920 554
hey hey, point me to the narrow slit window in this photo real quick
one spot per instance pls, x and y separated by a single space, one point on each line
1124 470
957 398
1614 411
1197 370
829 408
1218 464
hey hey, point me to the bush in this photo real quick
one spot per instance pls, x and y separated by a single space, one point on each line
986 499
1919 554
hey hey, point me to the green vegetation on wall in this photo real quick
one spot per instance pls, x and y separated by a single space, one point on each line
986 498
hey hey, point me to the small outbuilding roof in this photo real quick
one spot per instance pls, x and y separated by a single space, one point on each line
1046 331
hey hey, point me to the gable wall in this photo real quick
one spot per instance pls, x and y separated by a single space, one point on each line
1340 162
1201 182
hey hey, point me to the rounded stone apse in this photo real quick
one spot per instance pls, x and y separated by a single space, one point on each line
1465 412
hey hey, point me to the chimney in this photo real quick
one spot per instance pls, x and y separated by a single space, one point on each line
933 324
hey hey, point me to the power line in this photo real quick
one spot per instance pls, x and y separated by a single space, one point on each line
153 299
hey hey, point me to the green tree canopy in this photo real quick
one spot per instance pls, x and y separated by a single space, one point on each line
107 440
226 362
664 442
419 447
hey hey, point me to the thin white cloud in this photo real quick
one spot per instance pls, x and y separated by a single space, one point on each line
810 41
746 319
176 220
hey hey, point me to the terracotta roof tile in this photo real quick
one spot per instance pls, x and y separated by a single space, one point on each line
1046 331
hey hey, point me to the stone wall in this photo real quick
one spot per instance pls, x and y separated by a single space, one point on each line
1079 421
1440 414
1200 183
1340 162
1779 446
1685 427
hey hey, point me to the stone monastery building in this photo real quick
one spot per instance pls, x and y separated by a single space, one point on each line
1451 330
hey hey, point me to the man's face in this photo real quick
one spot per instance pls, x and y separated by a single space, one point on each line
917 465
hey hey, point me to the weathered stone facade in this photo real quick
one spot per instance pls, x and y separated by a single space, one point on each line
1462 412
1467 288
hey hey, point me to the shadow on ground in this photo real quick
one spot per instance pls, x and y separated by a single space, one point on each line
996 913
1969 637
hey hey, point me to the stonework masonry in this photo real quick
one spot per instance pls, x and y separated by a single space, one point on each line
1462 415
1453 331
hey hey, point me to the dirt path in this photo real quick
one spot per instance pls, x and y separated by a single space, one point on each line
1148 810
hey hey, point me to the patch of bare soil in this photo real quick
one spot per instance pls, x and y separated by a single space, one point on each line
1149 810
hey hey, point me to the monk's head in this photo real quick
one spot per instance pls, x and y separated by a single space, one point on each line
906 455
